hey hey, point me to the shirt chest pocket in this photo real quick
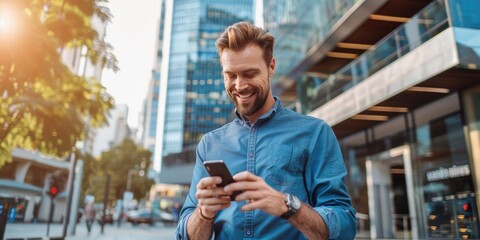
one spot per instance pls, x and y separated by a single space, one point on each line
285 168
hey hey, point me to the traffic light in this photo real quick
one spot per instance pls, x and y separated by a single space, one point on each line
53 187
466 206
53 191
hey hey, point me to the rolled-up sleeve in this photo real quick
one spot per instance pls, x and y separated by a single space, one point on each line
328 193
341 225
181 232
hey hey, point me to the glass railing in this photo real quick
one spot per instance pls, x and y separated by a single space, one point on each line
423 26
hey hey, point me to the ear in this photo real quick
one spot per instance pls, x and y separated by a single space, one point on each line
272 66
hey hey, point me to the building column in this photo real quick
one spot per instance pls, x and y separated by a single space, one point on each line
21 171
471 111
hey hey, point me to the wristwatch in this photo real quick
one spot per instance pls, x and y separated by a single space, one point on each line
293 204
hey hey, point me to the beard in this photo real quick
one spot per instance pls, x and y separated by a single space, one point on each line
247 109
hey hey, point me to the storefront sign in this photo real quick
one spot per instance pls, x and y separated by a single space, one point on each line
448 173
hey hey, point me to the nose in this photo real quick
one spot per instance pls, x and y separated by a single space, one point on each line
240 84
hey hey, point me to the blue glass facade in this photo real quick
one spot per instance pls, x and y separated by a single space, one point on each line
196 100
465 18
148 127
152 130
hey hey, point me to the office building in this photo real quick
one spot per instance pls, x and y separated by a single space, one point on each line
192 96
398 81
148 118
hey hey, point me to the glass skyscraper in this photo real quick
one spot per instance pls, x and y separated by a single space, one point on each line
192 95
147 131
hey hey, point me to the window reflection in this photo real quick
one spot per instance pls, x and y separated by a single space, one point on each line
447 183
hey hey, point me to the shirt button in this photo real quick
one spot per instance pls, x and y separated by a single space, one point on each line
249 233
253 129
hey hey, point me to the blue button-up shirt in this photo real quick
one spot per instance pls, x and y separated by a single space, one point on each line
294 154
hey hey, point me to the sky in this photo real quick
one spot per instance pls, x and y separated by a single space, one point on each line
133 34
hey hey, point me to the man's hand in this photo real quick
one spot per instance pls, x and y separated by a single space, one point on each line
211 199
261 196
258 194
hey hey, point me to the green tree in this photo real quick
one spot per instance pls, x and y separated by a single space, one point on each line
124 161
43 104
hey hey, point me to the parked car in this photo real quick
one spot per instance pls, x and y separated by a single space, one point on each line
167 218
142 216
149 217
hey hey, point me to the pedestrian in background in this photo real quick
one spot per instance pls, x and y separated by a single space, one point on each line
288 166
177 207
120 216
90 214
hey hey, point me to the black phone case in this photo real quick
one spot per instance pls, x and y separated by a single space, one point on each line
218 168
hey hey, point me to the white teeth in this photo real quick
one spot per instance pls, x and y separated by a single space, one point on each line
245 96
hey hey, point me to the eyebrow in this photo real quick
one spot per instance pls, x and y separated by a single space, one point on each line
244 71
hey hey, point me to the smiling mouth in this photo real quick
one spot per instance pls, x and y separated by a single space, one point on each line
245 97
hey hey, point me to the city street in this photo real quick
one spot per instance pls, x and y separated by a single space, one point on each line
110 232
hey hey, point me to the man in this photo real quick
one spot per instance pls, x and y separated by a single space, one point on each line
288 165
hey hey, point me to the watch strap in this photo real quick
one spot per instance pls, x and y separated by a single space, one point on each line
287 215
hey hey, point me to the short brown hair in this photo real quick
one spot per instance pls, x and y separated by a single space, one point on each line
241 34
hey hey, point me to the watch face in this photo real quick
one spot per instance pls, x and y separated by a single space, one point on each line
295 202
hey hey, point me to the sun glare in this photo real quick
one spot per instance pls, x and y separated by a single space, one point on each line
7 26
2 21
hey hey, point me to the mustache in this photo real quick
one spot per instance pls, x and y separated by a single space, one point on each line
245 91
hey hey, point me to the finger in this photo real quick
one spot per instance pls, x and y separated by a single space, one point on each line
246 176
246 195
253 205
208 181
221 200
212 209
245 186
268 201
215 208
211 192
251 195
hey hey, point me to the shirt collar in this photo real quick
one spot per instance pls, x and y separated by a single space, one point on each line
269 114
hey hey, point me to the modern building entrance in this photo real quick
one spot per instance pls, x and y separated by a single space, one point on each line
391 195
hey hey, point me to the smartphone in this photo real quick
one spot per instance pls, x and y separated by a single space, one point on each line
218 168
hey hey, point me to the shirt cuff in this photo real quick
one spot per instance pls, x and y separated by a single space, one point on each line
181 233
331 220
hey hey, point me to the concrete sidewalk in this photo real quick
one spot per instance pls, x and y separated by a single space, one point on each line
31 231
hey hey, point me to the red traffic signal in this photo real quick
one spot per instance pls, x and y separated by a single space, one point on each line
53 186
53 191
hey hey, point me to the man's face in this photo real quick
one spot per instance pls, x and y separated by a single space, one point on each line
247 79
